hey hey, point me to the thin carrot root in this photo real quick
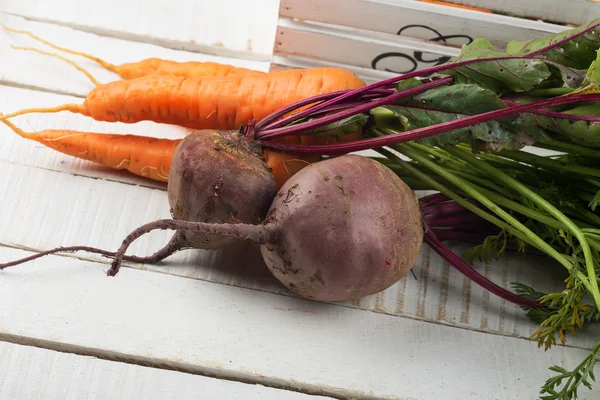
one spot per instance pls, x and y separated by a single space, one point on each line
151 66
73 63
144 156
74 108
176 244
105 64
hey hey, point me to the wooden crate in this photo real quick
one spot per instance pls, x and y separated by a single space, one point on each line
382 38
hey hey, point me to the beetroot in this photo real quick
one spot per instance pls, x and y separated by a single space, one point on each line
339 229
218 176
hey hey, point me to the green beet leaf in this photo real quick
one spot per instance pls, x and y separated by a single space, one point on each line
517 75
577 51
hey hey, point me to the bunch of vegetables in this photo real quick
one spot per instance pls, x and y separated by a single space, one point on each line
461 128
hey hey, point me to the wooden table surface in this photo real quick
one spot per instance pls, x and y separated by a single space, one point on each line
211 325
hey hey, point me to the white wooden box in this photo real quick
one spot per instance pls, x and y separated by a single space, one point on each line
382 38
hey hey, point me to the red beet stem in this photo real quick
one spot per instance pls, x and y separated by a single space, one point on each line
301 128
421 133
434 198
557 114
340 96
440 248
445 208
459 235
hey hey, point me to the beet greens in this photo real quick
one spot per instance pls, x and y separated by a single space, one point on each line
465 138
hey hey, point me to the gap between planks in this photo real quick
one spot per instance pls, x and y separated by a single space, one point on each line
141 267
165 43
208 372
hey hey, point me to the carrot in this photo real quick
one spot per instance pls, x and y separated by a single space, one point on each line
151 65
141 155
151 157
204 102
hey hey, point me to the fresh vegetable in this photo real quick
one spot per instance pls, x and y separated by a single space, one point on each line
204 102
218 176
337 230
151 65
462 133
144 156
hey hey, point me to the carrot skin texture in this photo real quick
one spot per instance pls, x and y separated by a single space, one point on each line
158 66
143 156
205 102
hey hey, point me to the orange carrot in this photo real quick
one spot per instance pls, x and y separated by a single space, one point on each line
151 65
141 155
150 157
205 102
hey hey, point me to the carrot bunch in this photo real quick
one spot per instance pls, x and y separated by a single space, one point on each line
195 95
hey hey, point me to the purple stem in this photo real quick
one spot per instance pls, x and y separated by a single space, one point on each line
282 111
458 235
304 126
454 220
267 122
446 208
340 96
430 199
440 248
424 132
556 114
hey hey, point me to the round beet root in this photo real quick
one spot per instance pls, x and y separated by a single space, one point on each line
218 176
339 229
344 228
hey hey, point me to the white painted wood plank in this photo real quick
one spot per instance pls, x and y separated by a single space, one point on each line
354 47
439 294
31 69
53 209
261 337
233 28
411 18
572 12
36 373
368 75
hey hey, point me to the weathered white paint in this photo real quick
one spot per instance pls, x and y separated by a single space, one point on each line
439 294
354 47
227 27
367 74
392 16
35 373
35 70
571 12
43 207
257 336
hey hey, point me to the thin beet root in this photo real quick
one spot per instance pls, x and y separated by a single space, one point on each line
176 244
257 233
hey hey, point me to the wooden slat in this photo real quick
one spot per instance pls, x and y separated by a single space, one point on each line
47 73
206 27
261 338
367 74
65 202
36 373
570 12
353 47
411 18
